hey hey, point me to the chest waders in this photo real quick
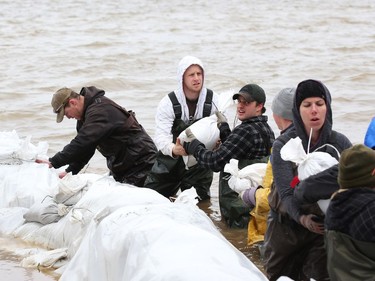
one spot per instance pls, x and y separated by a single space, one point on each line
168 174
233 210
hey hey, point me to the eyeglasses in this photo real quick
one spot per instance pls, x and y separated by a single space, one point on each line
62 106
244 102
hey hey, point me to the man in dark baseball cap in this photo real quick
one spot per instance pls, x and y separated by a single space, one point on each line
252 92
250 142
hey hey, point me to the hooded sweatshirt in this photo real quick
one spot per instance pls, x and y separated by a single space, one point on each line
284 171
165 115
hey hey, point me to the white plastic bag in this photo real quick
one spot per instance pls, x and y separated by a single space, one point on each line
171 241
308 164
249 176
205 129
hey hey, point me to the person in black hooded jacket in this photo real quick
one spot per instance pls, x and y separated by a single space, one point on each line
104 125
294 241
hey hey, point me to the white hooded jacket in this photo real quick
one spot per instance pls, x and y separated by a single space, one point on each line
165 114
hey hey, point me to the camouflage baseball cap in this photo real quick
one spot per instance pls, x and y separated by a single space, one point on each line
59 100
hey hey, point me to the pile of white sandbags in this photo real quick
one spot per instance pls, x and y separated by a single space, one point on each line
91 227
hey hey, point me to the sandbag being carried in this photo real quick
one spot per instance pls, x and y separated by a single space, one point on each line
205 129
249 176
308 164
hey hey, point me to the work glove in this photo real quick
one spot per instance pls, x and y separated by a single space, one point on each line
312 223
220 118
191 144
249 195
223 126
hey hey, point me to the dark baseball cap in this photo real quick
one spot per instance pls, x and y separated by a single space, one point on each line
251 92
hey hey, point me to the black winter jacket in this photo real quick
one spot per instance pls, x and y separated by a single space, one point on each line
114 131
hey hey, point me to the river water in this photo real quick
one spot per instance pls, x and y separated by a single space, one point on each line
130 48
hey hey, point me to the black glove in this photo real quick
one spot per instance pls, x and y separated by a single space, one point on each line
224 131
191 147
223 126
192 143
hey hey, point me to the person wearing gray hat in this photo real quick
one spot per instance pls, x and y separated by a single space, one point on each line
282 106
105 126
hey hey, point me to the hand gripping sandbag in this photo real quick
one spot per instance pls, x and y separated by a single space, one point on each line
249 176
308 164
205 129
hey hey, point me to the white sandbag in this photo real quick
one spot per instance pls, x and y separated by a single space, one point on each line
26 229
14 150
9 145
44 212
71 184
308 164
323 204
73 187
170 241
205 129
188 196
46 259
249 176
11 219
23 185
105 192
22 181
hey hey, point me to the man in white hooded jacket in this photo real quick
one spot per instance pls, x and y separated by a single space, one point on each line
176 111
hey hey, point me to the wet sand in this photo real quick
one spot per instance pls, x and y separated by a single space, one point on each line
11 270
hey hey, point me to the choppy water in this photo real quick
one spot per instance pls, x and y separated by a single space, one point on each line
131 49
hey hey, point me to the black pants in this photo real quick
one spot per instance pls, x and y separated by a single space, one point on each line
168 175
233 210
292 250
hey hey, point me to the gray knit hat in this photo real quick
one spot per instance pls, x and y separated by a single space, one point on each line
282 103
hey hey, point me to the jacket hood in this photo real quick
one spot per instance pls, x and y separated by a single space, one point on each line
91 93
327 126
184 64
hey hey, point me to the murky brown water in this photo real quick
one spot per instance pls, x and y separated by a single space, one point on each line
10 268
131 50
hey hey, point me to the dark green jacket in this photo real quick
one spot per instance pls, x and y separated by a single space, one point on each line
349 259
